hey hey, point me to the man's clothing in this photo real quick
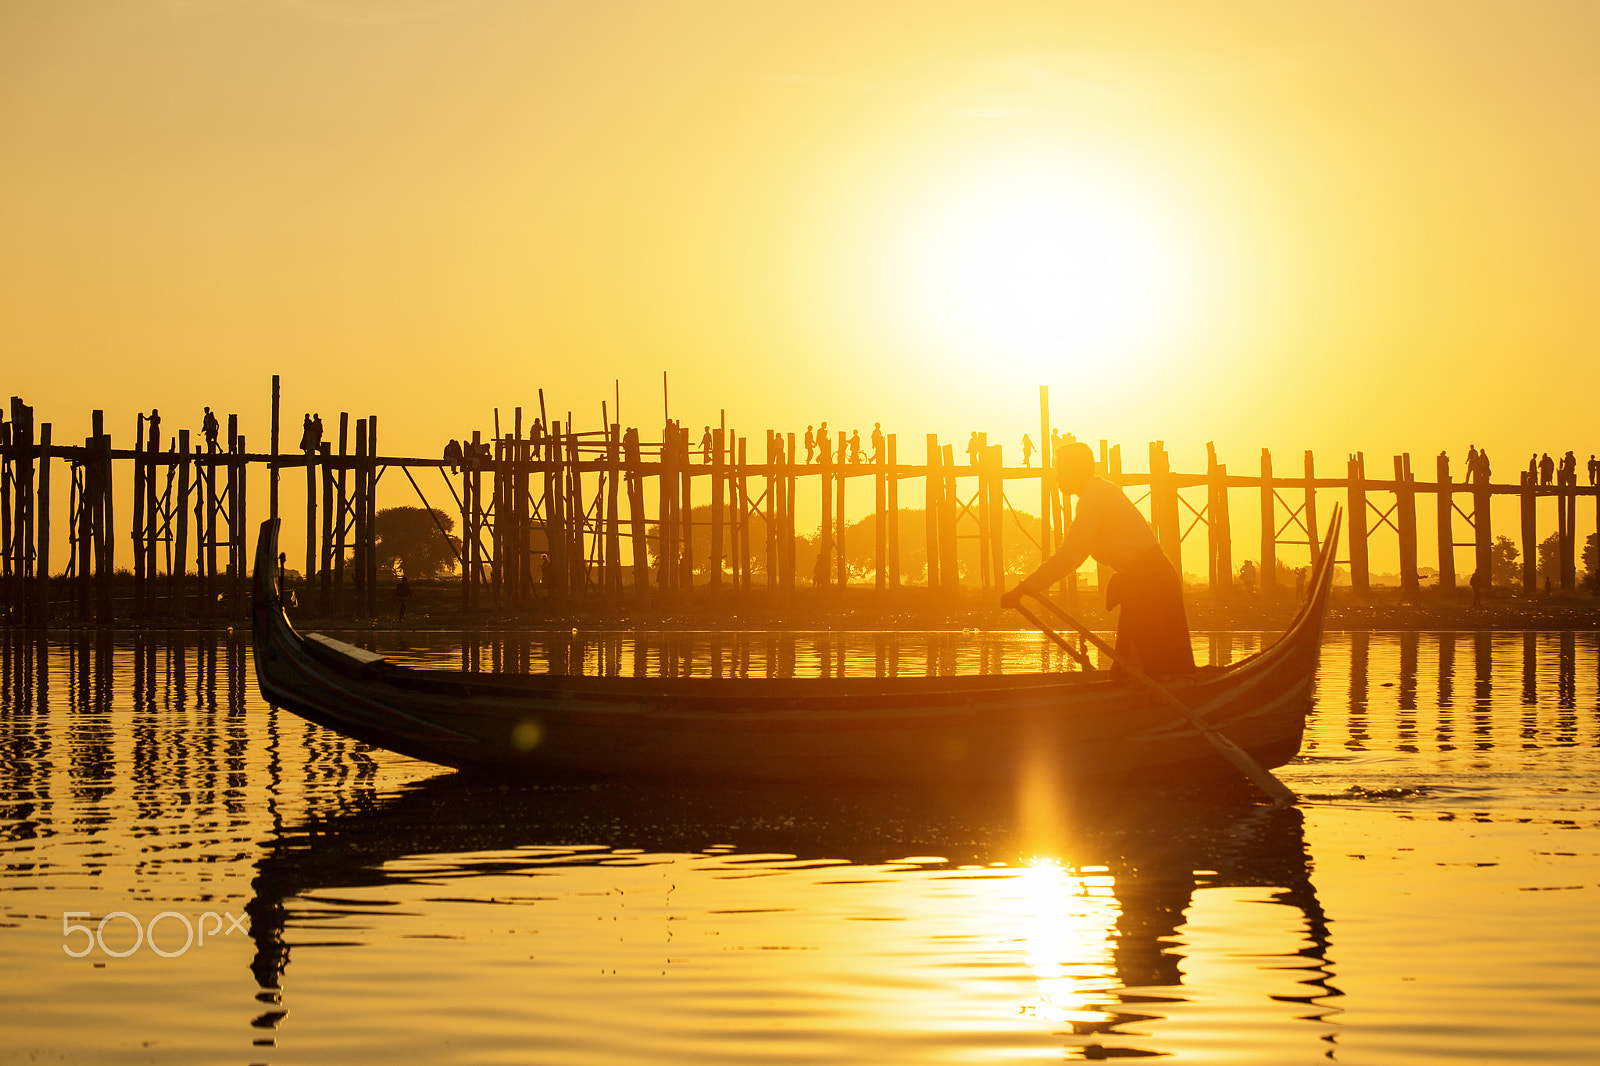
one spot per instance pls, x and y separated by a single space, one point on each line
1152 630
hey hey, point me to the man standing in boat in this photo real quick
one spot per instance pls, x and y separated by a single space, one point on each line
1152 630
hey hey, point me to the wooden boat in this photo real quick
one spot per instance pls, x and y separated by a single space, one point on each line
980 729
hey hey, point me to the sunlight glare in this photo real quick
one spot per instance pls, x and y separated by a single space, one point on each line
1039 268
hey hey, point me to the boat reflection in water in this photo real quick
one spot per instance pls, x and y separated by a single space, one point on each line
1094 908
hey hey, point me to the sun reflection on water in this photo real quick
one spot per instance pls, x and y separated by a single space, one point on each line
1069 915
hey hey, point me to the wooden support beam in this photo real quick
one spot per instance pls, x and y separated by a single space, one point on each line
933 505
180 552
949 562
1446 522
1358 524
1527 501
1046 464
841 562
892 504
1269 526
1406 522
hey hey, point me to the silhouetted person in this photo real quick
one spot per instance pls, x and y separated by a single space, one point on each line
1300 584
1547 469
208 426
1483 467
1569 468
1594 470
1247 574
855 446
402 595
1533 469
305 434
544 572
1477 589
811 445
824 445
705 446
453 456
877 442
972 449
1472 461
1152 631
1027 450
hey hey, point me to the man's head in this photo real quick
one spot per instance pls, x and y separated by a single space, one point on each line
1074 466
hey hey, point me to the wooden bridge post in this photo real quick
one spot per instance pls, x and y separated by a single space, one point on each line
103 518
717 474
983 497
634 459
139 590
151 508
1528 504
7 552
1164 504
577 543
1406 513
880 543
774 508
362 533
949 564
1046 463
995 475
240 602
1313 532
1269 526
841 474
468 534
893 505
787 547
555 514
1219 532
1446 524
742 494
1482 528
822 573
180 554
329 517
613 581
932 495
1358 524
1569 546
686 514
667 513
272 464
372 515
41 572
312 569
208 582
502 493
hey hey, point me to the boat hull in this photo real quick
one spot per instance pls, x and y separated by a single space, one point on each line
975 729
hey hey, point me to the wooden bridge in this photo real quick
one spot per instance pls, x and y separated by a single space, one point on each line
551 516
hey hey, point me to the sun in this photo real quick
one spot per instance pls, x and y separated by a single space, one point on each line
1045 269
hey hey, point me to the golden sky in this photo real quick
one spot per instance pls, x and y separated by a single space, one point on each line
1336 226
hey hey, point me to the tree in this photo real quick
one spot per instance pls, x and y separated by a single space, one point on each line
410 541
1503 567
1550 561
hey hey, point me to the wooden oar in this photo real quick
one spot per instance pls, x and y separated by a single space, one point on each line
1274 789
1078 656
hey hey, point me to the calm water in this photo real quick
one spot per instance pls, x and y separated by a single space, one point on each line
241 887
